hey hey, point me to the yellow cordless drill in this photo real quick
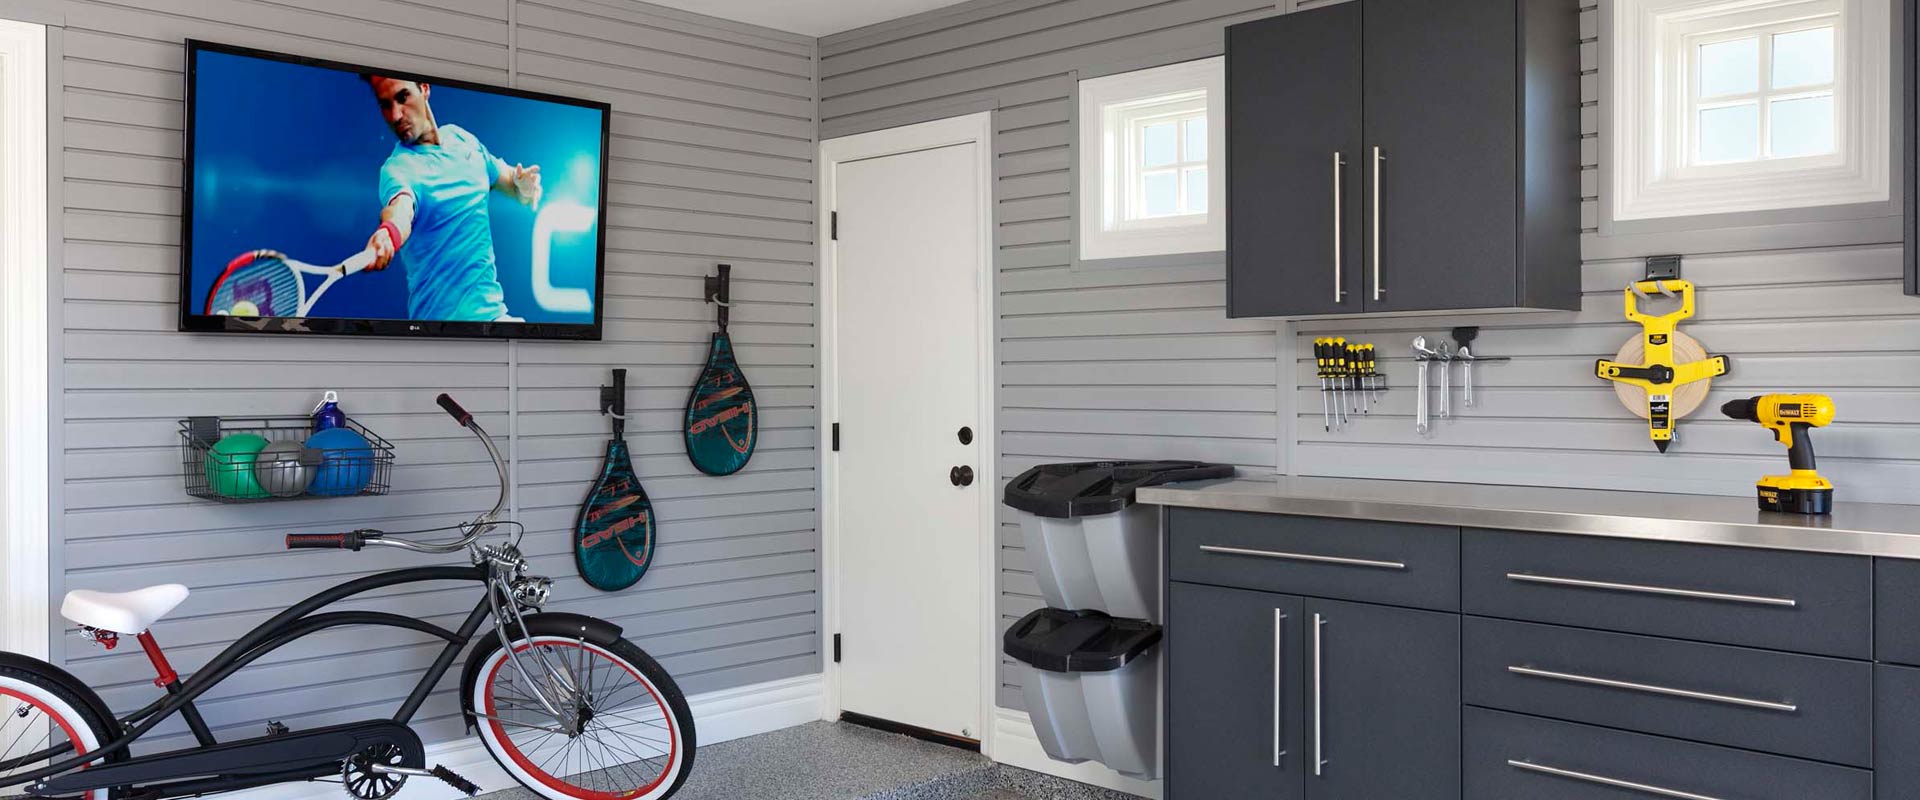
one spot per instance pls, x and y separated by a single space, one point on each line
1790 417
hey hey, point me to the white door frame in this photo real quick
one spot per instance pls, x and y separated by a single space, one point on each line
972 128
25 273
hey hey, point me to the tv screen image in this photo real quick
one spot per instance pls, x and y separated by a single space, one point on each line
330 198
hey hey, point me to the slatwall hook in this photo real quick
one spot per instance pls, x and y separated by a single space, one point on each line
613 399
720 291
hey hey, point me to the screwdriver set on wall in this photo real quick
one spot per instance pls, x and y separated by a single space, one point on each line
1350 380
1445 353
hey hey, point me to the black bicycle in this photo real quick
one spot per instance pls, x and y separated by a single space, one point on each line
566 706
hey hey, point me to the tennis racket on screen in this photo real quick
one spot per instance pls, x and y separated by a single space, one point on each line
266 283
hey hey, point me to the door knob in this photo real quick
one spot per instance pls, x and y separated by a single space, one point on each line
961 475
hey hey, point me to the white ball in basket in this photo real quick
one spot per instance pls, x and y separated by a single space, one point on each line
280 470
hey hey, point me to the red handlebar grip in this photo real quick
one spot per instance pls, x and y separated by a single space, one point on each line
459 414
326 541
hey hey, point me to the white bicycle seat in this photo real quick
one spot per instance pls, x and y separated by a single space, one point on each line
122 612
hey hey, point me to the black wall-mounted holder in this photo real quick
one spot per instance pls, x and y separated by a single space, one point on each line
1663 268
613 402
720 291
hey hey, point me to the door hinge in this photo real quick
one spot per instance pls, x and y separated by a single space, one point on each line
836 648
833 225
836 437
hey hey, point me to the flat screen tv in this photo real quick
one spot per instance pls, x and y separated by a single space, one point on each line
329 198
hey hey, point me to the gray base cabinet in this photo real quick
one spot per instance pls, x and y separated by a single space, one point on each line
1335 659
1385 713
1238 694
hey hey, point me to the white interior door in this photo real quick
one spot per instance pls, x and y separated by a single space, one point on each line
907 353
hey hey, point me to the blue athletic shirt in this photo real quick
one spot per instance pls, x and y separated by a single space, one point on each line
451 274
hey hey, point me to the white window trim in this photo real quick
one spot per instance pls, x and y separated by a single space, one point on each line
24 271
1643 187
1096 239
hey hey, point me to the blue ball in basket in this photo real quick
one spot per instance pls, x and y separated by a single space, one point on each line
346 462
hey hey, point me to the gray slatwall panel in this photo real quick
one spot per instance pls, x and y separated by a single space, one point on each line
1132 363
711 160
705 189
1829 319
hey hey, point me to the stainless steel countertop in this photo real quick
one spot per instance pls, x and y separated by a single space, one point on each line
1868 529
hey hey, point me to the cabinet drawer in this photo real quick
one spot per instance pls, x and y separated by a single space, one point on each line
1807 706
1896 610
1513 757
1377 562
1805 602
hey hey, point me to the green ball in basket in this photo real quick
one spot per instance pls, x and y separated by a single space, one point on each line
346 462
230 466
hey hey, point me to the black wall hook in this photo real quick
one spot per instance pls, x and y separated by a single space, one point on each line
720 292
613 401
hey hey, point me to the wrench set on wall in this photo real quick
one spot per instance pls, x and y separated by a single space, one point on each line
1444 354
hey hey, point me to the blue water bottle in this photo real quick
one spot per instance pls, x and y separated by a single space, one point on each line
328 414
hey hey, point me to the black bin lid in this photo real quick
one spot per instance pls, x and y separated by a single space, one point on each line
1089 488
1057 640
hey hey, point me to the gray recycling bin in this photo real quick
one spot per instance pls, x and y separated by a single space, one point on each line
1091 687
1089 546
1092 676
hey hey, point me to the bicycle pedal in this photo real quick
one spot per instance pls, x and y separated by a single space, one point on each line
467 787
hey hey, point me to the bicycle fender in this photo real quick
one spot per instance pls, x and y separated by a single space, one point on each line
571 626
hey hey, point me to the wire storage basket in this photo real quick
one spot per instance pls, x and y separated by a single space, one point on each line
261 459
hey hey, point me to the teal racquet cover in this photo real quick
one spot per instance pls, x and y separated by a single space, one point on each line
720 424
613 535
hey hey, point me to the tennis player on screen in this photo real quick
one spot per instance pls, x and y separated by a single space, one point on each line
433 192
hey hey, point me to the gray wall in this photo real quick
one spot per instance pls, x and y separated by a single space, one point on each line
711 161
1141 362
1113 363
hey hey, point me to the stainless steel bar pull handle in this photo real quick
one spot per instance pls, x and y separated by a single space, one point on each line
1637 588
1588 777
1279 636
1378 290
1339 278
1286 556
1648 688
1319 743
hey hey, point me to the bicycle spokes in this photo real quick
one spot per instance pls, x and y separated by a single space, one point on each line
625 742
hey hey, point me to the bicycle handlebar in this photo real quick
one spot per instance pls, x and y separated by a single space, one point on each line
469 531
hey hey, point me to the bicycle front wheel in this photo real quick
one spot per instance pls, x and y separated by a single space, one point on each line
623 731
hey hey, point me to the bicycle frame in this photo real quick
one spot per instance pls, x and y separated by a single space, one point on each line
286 627
500 569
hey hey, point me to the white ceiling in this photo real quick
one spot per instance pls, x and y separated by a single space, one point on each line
809 17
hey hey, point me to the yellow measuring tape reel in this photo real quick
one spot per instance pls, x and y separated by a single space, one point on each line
1658 375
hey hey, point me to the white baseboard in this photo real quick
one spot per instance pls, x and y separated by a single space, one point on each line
1016 745
719 716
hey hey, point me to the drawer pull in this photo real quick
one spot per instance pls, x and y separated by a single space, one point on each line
1652 689
1644 788
1351 562
1696 594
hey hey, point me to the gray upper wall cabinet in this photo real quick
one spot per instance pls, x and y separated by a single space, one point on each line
1404 156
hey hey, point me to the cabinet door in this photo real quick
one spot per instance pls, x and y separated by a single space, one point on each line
1234 689
1896 732
1293 140
1442 111
1383 702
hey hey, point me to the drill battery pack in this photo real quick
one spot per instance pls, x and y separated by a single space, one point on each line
1794 494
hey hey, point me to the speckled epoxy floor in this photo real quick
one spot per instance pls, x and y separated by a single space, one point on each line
837 761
